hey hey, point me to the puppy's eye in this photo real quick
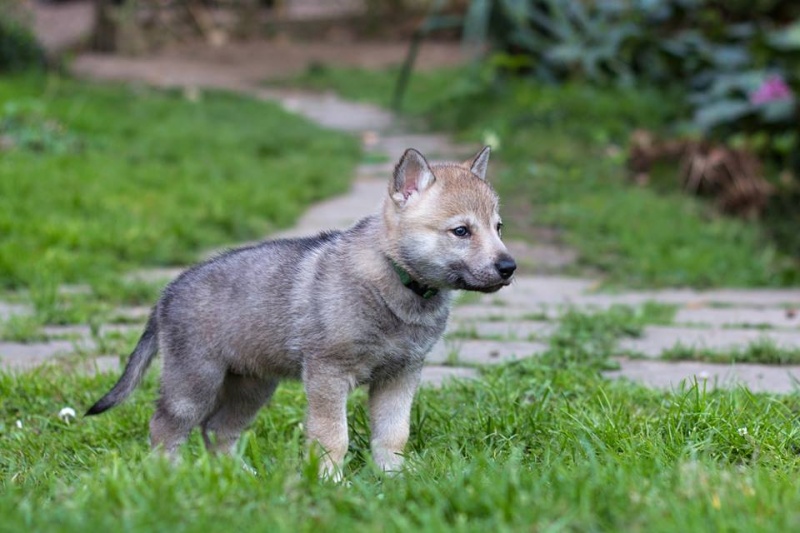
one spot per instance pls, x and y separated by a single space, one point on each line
500 228
461 231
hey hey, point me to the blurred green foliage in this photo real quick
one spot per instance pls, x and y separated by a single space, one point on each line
18 47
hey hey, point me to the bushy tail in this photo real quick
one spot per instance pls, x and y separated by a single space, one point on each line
138 362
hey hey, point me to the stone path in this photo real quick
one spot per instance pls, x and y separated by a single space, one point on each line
485 329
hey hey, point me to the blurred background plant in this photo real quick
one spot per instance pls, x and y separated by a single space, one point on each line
18 47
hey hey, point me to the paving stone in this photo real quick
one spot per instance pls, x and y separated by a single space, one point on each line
7 310
697 299
436 147
738 316
483 352
670 374
75 289
534 291
376 170
435 376
75 330
161 276
541 258
490 313
138 313
85 331
657 339
364 199
755 297
103 364
330 111
513 330
27 356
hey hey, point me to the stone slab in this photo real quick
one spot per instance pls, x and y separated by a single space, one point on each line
330 111
84 331
364 199
657 339
138 313
103 364
7 310
670 375
26 356
696 299
435 147
490 313
376 170
435 376
483 352
739 316
161 275
535 291
513 330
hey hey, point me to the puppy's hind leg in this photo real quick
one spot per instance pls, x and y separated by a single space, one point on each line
189 395
239 402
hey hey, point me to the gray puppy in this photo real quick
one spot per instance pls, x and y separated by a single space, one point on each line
337 310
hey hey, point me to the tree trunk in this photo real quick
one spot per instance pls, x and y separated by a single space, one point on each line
104 36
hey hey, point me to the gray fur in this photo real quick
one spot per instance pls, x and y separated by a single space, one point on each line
330 310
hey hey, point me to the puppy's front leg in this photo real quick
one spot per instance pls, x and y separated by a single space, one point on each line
327 390
390 417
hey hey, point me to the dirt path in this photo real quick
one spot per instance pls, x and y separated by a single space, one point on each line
511 324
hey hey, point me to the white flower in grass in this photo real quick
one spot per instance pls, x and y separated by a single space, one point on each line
66 414
743 431
19 424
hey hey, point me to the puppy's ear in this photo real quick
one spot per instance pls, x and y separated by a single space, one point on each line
412 175
480 163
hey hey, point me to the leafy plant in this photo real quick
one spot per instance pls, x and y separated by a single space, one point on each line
24 125
18 47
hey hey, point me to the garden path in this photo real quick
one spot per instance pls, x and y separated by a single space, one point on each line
487 329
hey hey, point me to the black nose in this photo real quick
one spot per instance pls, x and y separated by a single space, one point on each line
506 267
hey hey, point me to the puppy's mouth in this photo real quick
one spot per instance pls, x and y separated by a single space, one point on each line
464 285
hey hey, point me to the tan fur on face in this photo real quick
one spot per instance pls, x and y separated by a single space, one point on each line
461 191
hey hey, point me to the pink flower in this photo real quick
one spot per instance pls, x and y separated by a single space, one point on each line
773 89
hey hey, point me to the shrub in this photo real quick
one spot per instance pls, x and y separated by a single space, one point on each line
18 47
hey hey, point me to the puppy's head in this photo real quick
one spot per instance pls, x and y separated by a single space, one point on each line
444 225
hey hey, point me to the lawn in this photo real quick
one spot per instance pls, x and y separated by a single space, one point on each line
98 179
559 161
544 444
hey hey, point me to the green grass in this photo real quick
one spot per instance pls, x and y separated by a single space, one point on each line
559 162
377 86
542 444
22 328
119 177
763 351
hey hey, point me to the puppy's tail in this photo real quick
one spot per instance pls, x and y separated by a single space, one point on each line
138 362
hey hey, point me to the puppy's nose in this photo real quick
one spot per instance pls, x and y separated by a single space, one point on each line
506 267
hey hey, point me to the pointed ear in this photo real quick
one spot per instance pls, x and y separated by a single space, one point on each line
479 165
412 174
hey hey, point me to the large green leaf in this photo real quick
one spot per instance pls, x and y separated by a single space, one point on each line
721 112
787 38
778 111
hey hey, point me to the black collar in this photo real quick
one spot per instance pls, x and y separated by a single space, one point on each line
419 289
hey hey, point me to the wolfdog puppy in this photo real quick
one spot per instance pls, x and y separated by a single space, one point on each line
341 309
